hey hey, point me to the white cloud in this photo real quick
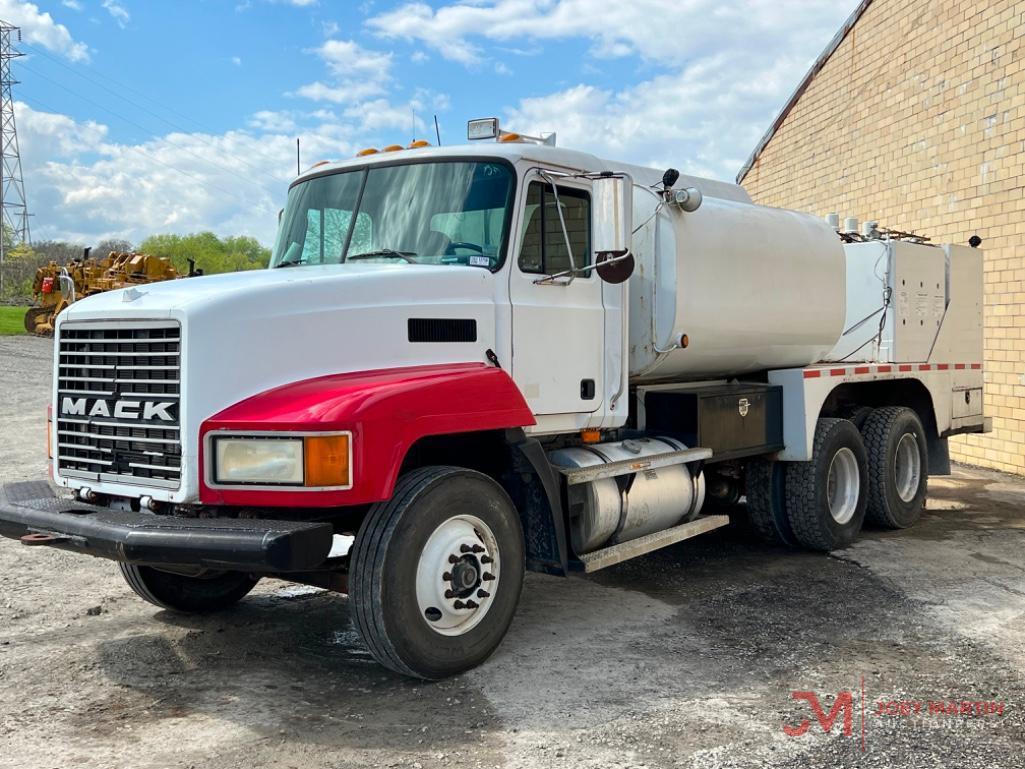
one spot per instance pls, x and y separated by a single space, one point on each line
117 12
39 28
83 186
272 121
236 60
715 71
358 73
72 4
665 30
702 119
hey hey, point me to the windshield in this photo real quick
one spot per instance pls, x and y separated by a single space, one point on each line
424 213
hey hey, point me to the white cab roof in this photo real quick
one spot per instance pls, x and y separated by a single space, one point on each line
547 156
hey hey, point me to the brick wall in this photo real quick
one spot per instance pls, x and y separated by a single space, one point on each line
917 121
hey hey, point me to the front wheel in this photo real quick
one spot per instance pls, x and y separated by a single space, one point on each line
203 592
436 572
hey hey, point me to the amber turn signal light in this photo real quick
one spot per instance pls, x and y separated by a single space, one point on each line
327 460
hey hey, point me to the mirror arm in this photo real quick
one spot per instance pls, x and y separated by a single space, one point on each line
575 270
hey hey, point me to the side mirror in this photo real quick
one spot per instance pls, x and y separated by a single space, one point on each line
612 227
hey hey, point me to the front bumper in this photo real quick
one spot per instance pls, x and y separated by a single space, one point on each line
31 512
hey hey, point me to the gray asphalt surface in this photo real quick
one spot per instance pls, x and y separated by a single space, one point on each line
685 658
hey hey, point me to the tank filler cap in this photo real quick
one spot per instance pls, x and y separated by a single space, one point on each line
833 220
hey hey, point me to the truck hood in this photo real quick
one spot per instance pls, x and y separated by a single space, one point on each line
246 333
165 298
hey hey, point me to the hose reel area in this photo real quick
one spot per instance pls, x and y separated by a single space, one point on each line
628 489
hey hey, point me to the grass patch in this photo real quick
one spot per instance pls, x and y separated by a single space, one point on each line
12 320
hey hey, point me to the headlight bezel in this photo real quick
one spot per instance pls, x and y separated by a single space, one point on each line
215 479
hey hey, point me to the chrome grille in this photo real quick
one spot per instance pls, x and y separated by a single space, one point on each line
118 399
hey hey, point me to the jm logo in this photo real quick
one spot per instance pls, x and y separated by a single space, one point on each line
844 705
743 406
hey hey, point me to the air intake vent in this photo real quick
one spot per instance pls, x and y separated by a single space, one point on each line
442 330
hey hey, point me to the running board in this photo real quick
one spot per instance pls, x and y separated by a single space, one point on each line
576 475
624 551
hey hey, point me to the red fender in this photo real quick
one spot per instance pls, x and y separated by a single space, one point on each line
387 411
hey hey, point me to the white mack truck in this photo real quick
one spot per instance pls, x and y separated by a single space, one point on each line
465 362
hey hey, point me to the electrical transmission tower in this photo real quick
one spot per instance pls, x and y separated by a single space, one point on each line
13 206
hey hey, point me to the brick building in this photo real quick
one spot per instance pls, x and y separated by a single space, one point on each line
914 116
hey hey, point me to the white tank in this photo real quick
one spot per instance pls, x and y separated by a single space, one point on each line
753 288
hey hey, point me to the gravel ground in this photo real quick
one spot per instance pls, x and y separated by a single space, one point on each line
685 658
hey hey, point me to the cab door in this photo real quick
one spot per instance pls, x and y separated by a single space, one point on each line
558 326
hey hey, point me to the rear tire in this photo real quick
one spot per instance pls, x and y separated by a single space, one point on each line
436 572
212 591
826 496
897 466
765 482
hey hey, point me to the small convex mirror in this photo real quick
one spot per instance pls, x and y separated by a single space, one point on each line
612 224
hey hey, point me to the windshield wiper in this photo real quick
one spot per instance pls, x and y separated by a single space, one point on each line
384 252
289 263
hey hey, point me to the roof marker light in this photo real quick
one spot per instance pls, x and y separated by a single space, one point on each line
417 144
367 151
393 148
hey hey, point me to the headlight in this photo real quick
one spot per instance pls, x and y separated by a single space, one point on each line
311 461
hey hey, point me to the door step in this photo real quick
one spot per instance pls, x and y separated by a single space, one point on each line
609 556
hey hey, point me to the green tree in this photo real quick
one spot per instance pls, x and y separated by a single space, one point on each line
211 253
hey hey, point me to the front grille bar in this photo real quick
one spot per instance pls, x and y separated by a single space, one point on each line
134 361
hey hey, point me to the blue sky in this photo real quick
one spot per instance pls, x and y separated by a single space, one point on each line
143 116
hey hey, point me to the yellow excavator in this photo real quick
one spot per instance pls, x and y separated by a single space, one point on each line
57 286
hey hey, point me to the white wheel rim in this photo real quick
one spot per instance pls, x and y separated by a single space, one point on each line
457 575
907 467
843 486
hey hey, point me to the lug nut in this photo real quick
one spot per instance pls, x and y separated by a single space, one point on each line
486 559
447 576
459 605
465 549
453 559
478 549
450 593
488 576
472 605
483 594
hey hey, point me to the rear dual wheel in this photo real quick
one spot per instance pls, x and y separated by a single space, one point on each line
826 496
897 465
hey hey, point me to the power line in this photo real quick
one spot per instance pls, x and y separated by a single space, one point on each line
145 130
80 73
32 102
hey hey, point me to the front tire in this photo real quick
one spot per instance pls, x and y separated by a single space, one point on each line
826 496
436 572
199 594
898 467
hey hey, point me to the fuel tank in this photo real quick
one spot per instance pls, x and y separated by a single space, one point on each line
752 288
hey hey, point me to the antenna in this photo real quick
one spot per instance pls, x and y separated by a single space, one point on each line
413 111
298 164
13 207
437 131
